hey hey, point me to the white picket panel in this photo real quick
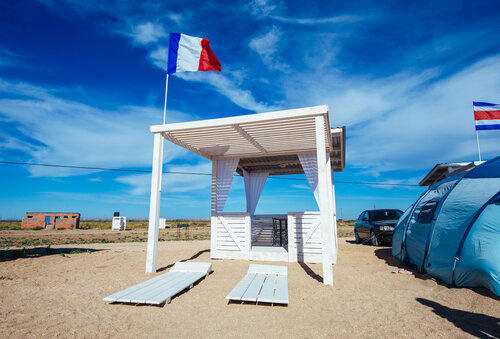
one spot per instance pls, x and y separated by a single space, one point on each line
161 289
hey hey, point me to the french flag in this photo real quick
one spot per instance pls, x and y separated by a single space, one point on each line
190 54
486 115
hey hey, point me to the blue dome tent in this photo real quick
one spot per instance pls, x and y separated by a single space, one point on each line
452 231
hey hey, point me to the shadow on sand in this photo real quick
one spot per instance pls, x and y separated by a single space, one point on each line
38 252
311 273
161 269
386 255
476 324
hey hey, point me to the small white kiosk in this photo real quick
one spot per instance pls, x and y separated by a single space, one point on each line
255 146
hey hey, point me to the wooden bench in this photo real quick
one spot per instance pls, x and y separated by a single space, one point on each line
161 289
263 283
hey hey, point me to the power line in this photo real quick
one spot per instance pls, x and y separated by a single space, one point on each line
187 173
75 167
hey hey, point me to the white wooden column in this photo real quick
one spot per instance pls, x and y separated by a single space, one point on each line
324 201
292 245
213 212
248 235
154 204
333 211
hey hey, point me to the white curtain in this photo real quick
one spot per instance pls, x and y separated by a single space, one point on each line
309 162
254 184
225 174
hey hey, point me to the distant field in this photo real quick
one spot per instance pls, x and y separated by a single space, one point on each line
106 224
345 229
10 224
92 232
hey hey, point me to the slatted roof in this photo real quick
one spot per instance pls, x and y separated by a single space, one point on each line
266 142
442 171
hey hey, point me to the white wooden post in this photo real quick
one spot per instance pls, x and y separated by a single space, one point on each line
154 204
324 202
333 211
292 246
213 212
248 235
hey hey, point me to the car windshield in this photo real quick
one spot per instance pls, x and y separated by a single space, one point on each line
382 215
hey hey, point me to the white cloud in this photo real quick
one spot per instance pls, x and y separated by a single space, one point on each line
267 45
141 183
147 33
177 18
303 187
414 128
159 57
315 21
10 59
228 87
408 121
70 132
263 7
150 34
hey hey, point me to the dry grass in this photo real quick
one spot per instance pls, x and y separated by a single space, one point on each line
29 238
10 224
345 229
106 224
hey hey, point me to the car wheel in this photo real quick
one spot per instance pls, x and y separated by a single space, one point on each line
358 239
374 239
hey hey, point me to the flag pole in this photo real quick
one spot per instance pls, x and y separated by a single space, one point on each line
164 119
477 134
165 104
478 148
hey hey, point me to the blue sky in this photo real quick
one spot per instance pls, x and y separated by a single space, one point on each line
81 82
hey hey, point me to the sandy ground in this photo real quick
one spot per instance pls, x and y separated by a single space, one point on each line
60 295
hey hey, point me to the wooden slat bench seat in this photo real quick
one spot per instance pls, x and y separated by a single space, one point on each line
161 289
263 283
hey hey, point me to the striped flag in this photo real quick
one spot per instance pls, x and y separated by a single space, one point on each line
189 53
486 115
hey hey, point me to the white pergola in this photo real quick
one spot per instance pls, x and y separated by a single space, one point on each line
255 146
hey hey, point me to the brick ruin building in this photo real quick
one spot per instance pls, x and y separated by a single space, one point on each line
51 220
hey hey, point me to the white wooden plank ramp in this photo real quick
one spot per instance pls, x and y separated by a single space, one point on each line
161 289
262 283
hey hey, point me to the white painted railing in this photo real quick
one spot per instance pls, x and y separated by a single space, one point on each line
236 233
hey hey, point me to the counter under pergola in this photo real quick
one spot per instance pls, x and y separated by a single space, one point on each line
255 146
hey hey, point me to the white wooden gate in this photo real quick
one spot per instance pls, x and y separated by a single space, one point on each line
304 237
232 236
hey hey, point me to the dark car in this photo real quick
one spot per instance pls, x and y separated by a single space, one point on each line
376 226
